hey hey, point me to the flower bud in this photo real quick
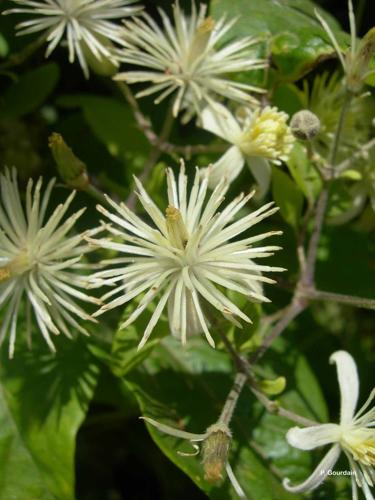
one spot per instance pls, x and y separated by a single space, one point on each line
305 125
359 64
71 169
215 450
273 387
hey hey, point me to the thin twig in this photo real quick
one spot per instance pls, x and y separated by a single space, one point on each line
307 278
293 310
231 401
20 57
272 406
340 125
362 302
153 157
145 125
344 165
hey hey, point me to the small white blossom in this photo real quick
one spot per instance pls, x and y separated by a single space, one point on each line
185 59
264 137
184 255
86 25
354 435
39 263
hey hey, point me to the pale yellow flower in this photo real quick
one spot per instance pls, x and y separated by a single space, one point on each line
263 137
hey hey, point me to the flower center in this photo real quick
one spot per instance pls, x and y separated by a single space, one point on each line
267 135
177 232
360 442
17 266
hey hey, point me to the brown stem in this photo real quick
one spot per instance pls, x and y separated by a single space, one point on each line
231 401
145 125
307 277
292 311
245 367
153 157
362 302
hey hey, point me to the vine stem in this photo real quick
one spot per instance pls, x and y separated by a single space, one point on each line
159 142
155 154
245 369
306 280
231 401
25 53
363 150
362 302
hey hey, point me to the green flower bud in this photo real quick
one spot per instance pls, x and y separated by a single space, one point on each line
273 387
71 169
359 64
305 125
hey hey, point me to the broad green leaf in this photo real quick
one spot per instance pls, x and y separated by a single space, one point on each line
287 196
345 264
111 121
298 41
3 46
186 388
43 401
29 92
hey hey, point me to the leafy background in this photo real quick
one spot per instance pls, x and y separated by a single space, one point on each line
69 423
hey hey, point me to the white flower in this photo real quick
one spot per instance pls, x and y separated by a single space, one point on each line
86 25
38 263
354 435
185 59
184 255
263 137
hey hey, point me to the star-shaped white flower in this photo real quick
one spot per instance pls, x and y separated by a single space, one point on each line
263 138
86 25
40 264
188 256
188 59
354 435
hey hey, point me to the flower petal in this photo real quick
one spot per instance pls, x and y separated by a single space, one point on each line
309 438
349 384
261 171
228 166
221 122
319 474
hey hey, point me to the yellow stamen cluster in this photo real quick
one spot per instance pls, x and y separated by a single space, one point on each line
360 443
15 267
267 135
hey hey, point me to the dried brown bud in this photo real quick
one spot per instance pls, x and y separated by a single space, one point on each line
305 125
215 450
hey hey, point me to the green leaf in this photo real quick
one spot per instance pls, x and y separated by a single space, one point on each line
186 388
43 401
298 40
111 121
29 92
287 196
3 46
